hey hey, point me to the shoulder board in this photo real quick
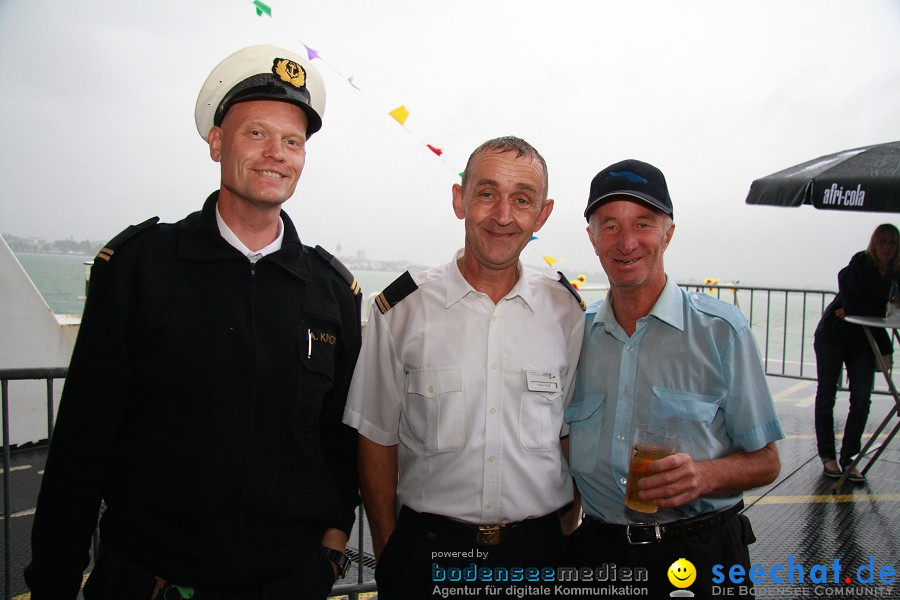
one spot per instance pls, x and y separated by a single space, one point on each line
106 253
565 281
399 289
338 266
718 308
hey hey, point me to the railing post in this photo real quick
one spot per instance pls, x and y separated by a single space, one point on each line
50 418
7 511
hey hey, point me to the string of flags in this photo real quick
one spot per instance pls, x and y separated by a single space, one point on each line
399 114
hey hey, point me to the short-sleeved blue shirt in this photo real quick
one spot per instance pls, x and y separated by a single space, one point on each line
692 365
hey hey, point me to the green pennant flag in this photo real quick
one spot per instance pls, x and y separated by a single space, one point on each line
262 8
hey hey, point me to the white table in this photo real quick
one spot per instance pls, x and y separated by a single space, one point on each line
867 324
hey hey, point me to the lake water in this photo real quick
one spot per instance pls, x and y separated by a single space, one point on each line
61 280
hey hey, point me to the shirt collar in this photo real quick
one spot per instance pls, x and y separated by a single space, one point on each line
458 287
235 241
668 308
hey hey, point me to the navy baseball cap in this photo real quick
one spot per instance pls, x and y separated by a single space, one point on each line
632 178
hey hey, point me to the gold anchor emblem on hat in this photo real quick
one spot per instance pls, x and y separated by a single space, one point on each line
289 72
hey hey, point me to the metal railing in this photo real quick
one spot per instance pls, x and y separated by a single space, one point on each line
784 321
350 590
7 375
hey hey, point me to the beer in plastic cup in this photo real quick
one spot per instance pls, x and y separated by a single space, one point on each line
650 444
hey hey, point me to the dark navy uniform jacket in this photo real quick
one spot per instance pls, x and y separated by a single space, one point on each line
203 404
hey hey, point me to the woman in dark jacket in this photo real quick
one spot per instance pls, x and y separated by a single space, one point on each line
863 289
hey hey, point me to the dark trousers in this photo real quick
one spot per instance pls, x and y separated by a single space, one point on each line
418 562
724 544
116 577
861 373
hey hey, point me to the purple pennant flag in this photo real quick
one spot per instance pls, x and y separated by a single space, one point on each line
312 53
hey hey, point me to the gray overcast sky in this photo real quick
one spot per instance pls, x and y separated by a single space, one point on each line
98 97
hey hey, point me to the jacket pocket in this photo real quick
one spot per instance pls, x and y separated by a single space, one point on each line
585 418
435 403
317 343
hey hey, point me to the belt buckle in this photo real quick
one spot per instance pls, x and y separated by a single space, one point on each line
488 535
656 531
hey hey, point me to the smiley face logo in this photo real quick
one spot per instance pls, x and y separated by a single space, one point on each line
682 573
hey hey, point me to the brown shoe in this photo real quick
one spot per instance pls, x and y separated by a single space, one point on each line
855 476
831 469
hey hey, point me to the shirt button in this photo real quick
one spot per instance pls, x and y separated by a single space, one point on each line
490 459
625 392
494 366
630 348
429 389
620 437
493 411
493 317
490 505
695 296
624 480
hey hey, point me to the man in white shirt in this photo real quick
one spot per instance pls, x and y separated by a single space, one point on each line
459 393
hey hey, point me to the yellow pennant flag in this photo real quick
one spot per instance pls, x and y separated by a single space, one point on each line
550 260
400 113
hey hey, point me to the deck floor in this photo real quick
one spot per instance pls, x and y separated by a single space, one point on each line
796 519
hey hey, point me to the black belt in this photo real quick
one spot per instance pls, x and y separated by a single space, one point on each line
482 535
643 533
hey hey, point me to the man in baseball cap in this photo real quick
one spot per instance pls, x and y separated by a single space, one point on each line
655 355
204 398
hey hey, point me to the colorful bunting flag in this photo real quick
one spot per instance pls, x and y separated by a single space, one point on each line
400 114
350 81
437 151
550 260
262 8
311 53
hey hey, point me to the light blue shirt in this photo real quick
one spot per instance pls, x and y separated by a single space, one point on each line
693 366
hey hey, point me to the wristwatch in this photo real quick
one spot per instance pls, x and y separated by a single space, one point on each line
340 559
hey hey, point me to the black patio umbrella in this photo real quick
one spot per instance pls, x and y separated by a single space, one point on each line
864 179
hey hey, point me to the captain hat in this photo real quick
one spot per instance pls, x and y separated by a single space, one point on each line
261 72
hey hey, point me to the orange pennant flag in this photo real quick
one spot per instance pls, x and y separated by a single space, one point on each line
400 114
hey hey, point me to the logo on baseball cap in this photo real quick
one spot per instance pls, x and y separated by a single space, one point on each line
633 178
261 73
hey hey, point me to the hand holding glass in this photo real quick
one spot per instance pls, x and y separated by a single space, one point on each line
650 444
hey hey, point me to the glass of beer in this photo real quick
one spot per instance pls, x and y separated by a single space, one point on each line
650 443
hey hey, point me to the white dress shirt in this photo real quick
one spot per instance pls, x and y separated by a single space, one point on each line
473 393
232 238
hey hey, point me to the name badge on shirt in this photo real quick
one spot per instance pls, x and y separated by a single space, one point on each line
542 381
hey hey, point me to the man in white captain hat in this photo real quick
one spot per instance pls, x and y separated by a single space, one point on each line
204 398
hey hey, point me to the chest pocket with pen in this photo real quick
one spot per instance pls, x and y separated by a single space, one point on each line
317 341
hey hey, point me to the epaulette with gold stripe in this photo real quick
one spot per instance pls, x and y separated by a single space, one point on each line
338 266
106 253
568 285
399 289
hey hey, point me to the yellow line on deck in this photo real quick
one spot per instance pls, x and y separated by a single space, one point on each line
783 394
822 499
